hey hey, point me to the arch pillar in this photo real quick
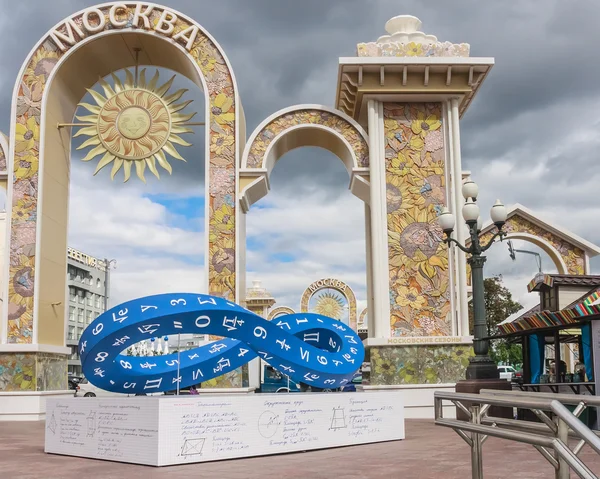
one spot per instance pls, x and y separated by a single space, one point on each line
68 59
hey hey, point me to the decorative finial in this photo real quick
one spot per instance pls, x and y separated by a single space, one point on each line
405 39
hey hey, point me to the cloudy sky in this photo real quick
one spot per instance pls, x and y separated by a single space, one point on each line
529 137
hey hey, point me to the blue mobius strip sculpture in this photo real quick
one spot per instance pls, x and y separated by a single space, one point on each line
309 348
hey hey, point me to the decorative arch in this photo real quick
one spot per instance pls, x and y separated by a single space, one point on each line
303 125
569 252
69 58
329 283
4 152
362 318
279 311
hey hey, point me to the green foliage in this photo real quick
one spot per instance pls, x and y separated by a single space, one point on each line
499 305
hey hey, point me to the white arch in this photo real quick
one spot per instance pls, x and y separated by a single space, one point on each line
192 69
555 256
305 134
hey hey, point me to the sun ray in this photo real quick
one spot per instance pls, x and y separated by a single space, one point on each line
140 166
91 108
106 159
165 88
94 152
135 125
127 170
116 167
175 96
100 100
93 141
170 149
181 129
129 80
182 117
153 81
162 161
142 79
118 84
180 106
180 141
108 90
151 162
87 118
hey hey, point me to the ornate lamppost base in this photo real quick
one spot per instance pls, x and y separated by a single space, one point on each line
482 367
473 386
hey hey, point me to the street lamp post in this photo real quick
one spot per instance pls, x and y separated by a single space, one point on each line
481 365
107 263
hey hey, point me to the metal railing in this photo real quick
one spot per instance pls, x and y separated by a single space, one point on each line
550 437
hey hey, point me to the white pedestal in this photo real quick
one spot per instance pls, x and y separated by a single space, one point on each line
166 430
418 398
27 405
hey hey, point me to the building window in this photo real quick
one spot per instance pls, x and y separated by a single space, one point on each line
80 315
89 317
71 313
72 294
71 334
79 332
89 299
98 283
81 297
97 300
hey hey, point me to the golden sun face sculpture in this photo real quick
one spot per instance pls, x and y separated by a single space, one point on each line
134 123
330 304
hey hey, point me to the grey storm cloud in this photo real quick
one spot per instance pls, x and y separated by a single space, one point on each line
286 52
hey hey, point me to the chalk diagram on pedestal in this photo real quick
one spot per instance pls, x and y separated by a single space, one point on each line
193 446
52 424
91 425
268 422
338 419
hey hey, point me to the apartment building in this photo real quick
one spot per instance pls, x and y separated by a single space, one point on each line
86 280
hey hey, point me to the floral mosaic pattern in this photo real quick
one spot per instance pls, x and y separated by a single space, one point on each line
33 372
363 319
256 156
419 364
222 123
573 256
412 49
233 379
416 193
3 155
347 292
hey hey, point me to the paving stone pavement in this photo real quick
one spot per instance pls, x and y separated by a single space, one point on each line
427 452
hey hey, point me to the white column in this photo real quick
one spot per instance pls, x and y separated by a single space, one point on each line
379 246
369 251
459 232
451 205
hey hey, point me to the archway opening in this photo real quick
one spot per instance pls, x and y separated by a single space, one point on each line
133 239
309 227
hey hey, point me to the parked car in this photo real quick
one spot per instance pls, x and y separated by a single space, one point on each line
518 377
88 390
507 372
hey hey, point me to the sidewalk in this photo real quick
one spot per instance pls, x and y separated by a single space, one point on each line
428 452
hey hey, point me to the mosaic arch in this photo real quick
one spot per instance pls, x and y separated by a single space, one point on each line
279 311
362 319
569 253
297 126
4 150
52 80
329 304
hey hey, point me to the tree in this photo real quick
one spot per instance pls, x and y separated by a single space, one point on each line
499 305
